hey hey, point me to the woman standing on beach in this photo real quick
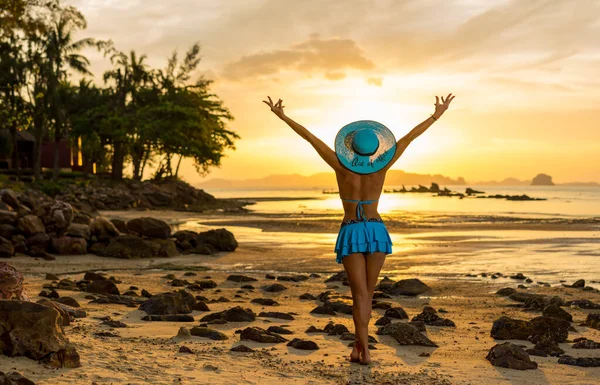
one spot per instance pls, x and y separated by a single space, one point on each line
364 152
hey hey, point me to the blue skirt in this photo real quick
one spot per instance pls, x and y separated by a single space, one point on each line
368 236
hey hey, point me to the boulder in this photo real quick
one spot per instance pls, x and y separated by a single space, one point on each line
506 328
206 332
509 355
405 334
30 224
56 215
103 287
103 229
79 230
65 245
7 249
131 247
169 303
33 330
548 328
410 287
8 217
149 227
220 239
235 314
258 334
37 243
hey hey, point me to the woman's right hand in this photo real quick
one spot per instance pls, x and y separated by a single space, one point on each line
441 108
277 108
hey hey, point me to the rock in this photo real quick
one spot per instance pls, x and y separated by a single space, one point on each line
14 378
185 349
65 316
405 334
508 355
8 218
10 198
35 331
410 287
548 328
255 333
69 245
56 216
542 180
185 235
93 276
103 229
583 304
396 312
580 361
593 321
52 277
579 284
201 306
546 348
7 249
275 287
69 301
276 314
120 224
586 344
505 292
323 310
334 329
206 332
11 283
169 318
556 311
240 278
37 243
79 230
242 348
103 287
265 301
429 317
303 344
30 224
279 330
149 227
235 314
131 247
221 239
506 328
180 302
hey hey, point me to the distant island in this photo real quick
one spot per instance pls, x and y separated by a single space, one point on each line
326 180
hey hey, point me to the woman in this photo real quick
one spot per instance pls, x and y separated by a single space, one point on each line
363 241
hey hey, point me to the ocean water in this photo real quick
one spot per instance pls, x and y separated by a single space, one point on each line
561 201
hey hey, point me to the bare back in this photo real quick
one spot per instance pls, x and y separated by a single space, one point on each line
360 187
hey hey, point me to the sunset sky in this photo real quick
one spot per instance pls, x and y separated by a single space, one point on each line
525 76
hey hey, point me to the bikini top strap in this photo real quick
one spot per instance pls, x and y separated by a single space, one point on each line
360 212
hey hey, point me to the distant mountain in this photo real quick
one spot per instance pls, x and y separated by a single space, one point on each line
326 180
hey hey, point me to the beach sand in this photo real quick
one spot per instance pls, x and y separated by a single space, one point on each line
148 352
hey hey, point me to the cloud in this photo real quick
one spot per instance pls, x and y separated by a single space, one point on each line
328 56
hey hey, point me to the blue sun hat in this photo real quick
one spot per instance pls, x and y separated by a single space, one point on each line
365 146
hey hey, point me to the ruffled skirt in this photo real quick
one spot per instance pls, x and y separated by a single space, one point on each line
362 237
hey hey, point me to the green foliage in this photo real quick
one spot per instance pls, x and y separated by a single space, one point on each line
142 115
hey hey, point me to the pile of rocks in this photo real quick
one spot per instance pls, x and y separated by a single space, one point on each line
33 224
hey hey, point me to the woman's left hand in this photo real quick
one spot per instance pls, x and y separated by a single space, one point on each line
277 108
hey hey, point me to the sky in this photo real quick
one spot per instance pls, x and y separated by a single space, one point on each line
524 74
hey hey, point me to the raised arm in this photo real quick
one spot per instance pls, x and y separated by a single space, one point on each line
323 150
420 128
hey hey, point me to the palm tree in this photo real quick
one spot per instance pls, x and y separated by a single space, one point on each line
62 52
130 76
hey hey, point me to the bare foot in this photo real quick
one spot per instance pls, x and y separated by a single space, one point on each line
355 355
365 357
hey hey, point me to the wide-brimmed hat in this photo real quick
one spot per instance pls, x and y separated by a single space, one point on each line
365 146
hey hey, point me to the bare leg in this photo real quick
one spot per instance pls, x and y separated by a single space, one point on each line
374 263
355 266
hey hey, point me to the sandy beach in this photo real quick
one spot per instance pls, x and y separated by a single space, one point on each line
148 352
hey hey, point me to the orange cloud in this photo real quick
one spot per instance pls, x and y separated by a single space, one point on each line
330 56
